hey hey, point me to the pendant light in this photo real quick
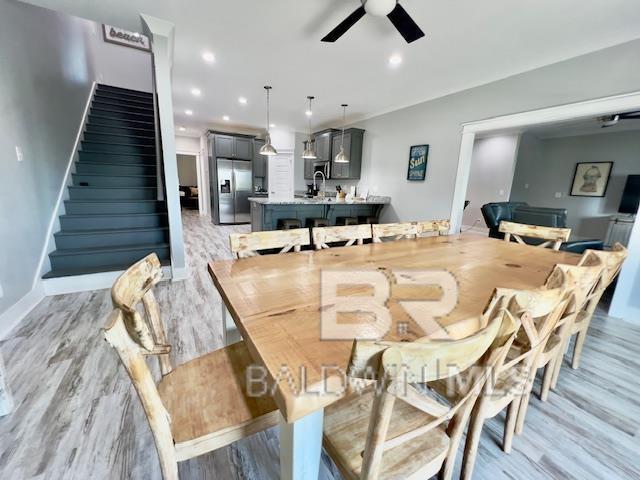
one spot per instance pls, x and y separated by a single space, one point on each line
267 148
342 157
309 151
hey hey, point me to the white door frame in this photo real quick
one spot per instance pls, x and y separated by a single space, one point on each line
518 121
198 174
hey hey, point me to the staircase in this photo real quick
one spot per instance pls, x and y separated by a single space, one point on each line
113 217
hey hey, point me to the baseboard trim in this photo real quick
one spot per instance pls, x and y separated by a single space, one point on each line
179 274
10 319
85 283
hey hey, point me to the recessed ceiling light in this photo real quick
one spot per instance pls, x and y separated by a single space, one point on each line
395 60
188 112
196 92
208 57
242 100
182 129
272 125
308 113
226 118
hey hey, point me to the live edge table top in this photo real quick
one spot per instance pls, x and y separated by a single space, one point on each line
275 302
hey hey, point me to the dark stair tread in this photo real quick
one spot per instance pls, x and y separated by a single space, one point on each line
109 95
121 112
107 231
70 272
101 187
97 115
120 153
112 175
105 87
98 250
119 135
95 124
102 102
106 200
114 143
103 215
93 162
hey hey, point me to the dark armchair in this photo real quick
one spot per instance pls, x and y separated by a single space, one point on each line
521 212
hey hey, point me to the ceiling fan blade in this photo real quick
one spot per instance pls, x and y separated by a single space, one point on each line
630 116
405 24
346 24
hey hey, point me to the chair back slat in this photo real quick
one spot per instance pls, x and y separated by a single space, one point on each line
249 244
352 234
132 356
554 236
409 230
439 227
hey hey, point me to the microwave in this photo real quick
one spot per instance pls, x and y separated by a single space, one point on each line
322 166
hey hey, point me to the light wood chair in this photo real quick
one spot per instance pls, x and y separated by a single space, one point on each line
553 236
197 407
612 264
512 376
408 230
372 436
350 234
248 244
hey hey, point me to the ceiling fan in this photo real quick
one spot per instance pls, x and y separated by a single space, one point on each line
380 8
611 120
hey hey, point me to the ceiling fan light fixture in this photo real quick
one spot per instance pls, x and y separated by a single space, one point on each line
379 8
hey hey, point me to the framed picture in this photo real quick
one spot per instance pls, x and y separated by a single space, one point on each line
418 162
591 179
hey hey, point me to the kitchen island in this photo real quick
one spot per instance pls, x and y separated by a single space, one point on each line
265 213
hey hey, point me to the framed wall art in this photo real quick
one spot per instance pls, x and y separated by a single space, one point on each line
591 179
418 155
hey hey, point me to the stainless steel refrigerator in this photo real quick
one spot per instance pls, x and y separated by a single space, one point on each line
234 189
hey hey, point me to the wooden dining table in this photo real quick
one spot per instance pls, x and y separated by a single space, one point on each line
275 301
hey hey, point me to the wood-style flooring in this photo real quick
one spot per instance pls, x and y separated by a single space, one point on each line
77 415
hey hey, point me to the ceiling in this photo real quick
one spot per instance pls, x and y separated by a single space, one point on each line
277 42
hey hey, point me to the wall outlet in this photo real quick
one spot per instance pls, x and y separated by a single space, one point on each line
19 153
526 185
558 194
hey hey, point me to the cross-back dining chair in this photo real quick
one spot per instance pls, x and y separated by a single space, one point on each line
554 237
351 234
196 407
612 262
437 227
538 310
398 428
249 244
408 230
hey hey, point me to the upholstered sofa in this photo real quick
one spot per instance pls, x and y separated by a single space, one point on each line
521 212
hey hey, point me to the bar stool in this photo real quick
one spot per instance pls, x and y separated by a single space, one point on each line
316 222
346 220
288 223
364 219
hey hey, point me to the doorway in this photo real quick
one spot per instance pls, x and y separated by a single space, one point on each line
189 180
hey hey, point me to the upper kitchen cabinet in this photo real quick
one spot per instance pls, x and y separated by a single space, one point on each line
353 138
323 144
238 147
259 161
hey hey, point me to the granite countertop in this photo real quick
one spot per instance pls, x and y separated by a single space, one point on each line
371 200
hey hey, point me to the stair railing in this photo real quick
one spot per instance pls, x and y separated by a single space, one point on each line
160 195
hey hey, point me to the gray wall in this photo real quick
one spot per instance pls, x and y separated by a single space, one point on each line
547 166
187 170
438 123
48 65
492 165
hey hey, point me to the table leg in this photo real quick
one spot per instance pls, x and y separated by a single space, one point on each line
6 401
300 447
230 333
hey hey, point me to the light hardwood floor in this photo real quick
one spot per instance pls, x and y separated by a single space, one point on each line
77 416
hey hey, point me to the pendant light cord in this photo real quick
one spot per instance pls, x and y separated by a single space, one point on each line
309 119
344 116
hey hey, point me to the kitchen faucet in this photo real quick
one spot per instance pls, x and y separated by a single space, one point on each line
324 184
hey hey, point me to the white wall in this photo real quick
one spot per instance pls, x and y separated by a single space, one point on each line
187 171
547 166
188 144
492 166
48 63
438 123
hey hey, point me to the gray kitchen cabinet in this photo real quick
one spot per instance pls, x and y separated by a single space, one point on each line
259 161
353 138
323 144
225 146
244 148
232 146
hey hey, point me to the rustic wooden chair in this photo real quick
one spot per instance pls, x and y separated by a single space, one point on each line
351 234
553 236
511 377
435 227
249 244
371 435
612 262
196 407
577 282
